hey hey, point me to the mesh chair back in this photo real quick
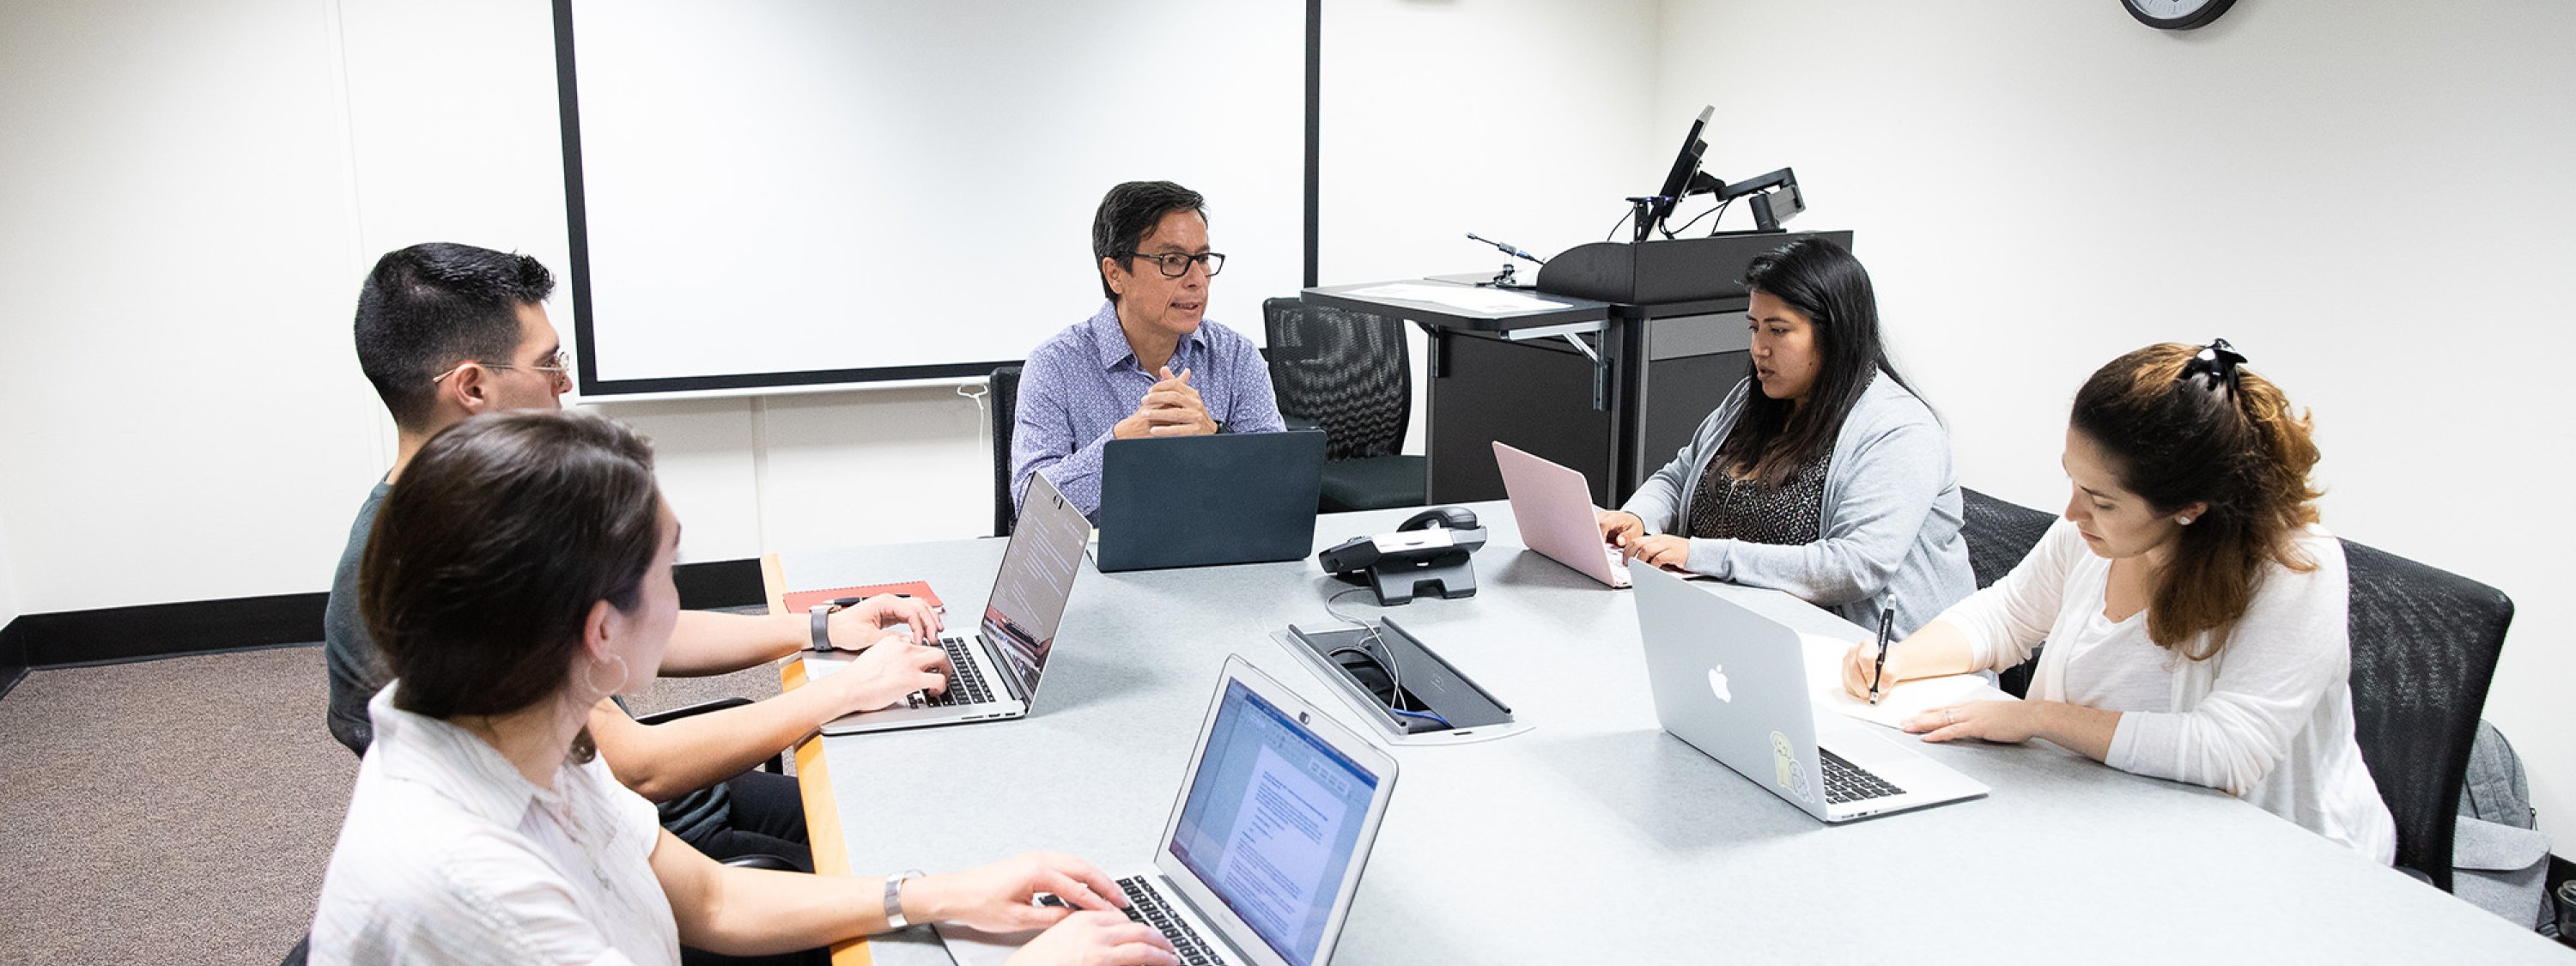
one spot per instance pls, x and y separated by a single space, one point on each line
1347 372
2424 646
1004 398
1999 533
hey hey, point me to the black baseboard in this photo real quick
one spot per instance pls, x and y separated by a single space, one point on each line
13 656
119 634
116 634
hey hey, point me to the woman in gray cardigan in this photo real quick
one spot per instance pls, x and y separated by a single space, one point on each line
1822 474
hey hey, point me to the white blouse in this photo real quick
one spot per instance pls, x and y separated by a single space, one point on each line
449 855
2268 719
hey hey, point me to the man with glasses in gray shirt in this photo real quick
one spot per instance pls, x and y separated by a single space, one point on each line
1148 363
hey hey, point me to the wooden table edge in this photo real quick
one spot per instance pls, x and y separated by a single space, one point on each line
813 777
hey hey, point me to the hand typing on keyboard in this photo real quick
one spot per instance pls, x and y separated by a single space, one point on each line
1098 937
1084 926
881 676
866 623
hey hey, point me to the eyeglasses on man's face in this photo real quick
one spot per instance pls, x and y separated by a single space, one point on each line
557 366
1175 264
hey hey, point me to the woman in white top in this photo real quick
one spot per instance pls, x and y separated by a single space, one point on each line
518 573
2193 609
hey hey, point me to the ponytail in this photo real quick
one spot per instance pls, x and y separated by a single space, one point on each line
2186 424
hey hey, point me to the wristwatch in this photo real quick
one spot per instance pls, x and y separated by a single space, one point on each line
894 897
823 624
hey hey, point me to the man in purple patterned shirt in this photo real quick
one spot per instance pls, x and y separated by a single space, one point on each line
1148 363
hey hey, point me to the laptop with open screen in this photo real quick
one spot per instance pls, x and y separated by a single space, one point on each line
1552 505
1733 684
994 670
1263 851
1194 501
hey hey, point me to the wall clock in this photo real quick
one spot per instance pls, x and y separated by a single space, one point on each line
2176 14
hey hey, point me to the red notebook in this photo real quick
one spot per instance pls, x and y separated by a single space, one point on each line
804 600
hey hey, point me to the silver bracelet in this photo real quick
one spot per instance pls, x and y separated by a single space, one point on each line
894 897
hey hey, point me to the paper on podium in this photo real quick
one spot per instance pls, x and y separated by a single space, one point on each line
1825 678
1463 297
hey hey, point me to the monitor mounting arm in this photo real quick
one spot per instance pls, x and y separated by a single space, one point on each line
1781 184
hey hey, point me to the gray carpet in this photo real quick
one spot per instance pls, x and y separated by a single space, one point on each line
183 810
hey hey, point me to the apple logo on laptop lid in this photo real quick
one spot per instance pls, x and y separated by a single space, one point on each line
1717 683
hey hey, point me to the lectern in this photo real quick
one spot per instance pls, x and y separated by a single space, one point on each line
1637 344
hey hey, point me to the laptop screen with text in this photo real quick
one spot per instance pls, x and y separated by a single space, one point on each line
1273 821
1036 578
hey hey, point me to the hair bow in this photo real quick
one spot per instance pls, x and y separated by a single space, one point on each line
2216 361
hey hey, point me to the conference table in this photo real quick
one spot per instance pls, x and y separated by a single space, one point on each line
1594 836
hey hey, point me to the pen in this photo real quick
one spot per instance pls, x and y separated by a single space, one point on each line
855 601
1886 622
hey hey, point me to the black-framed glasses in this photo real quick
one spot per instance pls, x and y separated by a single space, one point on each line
558 366
1175 264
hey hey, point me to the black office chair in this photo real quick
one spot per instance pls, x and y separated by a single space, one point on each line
1999 534
2424 647
1349 374
1005 402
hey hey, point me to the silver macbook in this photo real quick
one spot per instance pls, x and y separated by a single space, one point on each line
1552 505
993 673
1263 850
1733 683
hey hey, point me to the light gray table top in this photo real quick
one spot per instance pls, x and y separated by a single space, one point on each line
1595 836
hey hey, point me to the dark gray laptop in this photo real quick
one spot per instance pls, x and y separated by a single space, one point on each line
1195 501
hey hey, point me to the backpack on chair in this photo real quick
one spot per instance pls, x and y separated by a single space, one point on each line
2500 861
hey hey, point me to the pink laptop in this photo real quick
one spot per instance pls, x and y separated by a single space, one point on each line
1552 504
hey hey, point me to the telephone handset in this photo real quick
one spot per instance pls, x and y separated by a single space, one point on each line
1429 549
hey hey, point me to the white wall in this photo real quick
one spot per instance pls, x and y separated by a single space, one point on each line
2371 199
175 244
1521 120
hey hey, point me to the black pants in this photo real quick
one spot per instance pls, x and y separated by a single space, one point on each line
768 818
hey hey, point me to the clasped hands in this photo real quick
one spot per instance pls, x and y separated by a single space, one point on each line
1171 407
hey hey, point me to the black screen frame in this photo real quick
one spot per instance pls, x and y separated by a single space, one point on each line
1686 165
577 224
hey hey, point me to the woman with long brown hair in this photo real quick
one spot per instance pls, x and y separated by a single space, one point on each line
518 573
2193 609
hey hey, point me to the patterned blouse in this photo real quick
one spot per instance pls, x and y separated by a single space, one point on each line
1748 510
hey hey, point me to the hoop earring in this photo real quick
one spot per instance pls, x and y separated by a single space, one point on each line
615 682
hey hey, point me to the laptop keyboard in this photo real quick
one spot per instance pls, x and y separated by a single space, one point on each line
962 689
1846 782
1145 904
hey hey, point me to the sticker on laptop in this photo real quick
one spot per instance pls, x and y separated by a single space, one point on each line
1786 768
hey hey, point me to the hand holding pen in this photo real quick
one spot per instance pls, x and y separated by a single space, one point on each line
1878 671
